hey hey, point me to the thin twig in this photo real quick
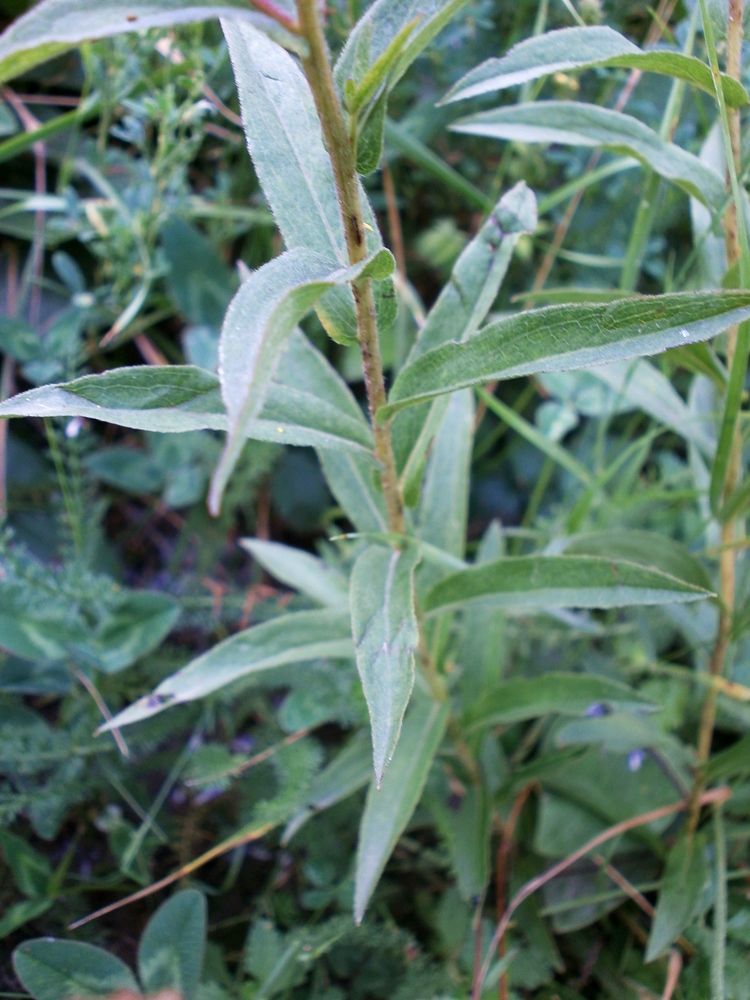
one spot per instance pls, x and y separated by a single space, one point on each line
257 759
394 220
715 796
101 705
502 873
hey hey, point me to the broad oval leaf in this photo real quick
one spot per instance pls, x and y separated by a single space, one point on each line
582 48
558 338
384 626
291 638
286 145
527 698
170 952
560 582
59 970
458 312
54 26
308 403
260 319
576 124
301 570
389 808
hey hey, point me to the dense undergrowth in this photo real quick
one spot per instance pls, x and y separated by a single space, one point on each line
130 214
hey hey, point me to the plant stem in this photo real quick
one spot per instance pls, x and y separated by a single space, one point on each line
317 67
735 243
718 952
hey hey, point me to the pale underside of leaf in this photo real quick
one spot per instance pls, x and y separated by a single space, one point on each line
53 26
563 337
458 312
559 582
294 638
286 145
582 48
301 570
389 808
576 124
384 627
259 321
308 404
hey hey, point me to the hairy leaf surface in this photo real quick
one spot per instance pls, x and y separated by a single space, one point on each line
558 338
384 626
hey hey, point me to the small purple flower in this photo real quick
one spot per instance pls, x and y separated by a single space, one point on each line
636 759
596 710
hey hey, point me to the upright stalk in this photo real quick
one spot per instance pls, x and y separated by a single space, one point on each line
729 529
317 67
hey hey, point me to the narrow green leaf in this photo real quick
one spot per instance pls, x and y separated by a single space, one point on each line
389 808
285 142
291 638
54 26
564 694
350 770
383 23
576 124
469 832
559 338
353 481
308 404
260 319
444 508
377 74
384 626
457 314
730 763
31 871
170 952
370 138
306 573
560 582
646 548
682 890
59 970
584 48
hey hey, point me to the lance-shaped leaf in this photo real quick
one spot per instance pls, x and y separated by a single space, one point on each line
458 312
389 808
583 48
301 570
353 481
292 638
647 548
54 26
260 319
308 403
576 124
560 582
683 887
286 145
558 338
565 694
384 626
377 30
171 950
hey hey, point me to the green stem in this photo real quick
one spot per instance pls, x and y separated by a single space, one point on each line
317 67
718 952
727 463
644 218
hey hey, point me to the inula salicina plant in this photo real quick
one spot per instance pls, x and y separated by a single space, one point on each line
549 721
